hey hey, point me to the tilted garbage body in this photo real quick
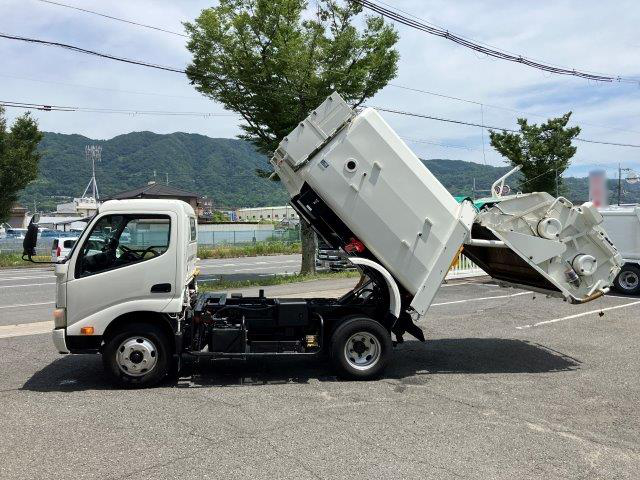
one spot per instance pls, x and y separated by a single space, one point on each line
358 184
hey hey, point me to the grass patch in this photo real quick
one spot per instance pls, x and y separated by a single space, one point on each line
275 280
14 260
250 250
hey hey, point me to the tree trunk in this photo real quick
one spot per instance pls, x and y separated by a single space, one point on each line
308 237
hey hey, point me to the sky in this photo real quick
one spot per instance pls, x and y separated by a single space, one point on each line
588 35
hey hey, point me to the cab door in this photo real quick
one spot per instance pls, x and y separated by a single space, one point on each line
126 263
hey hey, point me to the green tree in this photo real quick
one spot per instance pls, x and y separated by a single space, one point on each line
19 159
272 62
543 151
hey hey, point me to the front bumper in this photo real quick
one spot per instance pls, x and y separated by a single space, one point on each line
59 340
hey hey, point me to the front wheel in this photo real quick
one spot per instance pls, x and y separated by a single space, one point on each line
137 355
360 348
628 280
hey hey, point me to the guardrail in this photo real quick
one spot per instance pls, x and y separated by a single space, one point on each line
465 268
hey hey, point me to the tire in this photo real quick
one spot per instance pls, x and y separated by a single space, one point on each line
137 355
628 280
360 348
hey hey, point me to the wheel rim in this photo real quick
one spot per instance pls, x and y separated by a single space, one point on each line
628 280
136 356
362 350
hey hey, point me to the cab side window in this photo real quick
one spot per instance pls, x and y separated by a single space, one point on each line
117 241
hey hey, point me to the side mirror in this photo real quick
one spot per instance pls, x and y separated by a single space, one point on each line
31 238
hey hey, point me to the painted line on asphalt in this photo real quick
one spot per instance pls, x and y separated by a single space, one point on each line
27 305
480 299
28 285
577 315
236 270
11 271
24 329
219 265
8 279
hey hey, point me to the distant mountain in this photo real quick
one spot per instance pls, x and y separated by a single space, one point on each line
221 168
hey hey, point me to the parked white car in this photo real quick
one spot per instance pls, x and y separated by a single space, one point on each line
61 247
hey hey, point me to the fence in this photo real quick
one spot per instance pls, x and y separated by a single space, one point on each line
14 245
465 268
210 239
205 239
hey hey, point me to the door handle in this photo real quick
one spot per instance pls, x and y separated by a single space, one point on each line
161 288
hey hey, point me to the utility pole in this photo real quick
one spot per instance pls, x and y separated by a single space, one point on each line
620 170
557 193
93 153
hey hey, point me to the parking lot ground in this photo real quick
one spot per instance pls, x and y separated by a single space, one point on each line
507 386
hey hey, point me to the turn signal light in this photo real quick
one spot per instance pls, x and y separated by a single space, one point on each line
59 318
86 330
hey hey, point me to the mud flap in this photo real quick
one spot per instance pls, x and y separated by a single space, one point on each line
405 324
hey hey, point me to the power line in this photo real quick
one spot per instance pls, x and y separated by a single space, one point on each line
92 52
471 124
177 70
77 85
481 104
489 51
113 18
445 145
60 108
499 107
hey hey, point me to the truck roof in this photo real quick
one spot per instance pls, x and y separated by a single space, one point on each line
147 204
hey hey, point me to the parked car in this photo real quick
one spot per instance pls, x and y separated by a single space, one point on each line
61 247
16 233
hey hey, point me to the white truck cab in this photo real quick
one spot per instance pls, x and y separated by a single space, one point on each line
143 270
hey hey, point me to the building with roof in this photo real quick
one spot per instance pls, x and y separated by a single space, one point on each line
83 207
273 214
18 217
203 206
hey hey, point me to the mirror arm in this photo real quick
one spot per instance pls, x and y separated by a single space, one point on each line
29 259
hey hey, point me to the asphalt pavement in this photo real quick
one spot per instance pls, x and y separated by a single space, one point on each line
509 385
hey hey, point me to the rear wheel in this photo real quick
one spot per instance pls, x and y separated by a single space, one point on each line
628 280
137 355
360 348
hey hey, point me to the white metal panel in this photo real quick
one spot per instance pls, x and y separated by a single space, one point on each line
389 200
623 227
314 130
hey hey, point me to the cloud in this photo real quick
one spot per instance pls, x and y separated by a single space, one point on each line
594 36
